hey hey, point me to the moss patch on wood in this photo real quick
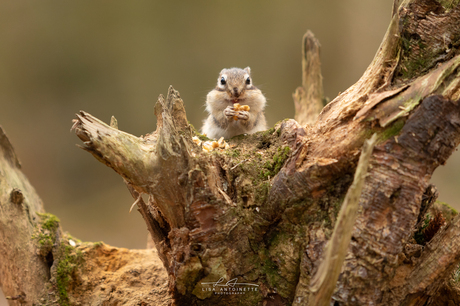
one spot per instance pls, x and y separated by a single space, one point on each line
45 233
62 258
67 260
414 60
251 168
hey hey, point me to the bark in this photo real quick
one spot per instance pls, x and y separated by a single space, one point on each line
255 219
19 207
323 283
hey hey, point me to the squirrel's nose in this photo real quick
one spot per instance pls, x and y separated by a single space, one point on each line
235 92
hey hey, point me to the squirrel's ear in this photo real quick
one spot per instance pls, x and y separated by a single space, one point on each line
248 70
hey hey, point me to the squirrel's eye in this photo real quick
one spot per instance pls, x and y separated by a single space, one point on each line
222 81
248 81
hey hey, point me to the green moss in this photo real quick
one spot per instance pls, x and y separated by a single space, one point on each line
271 272
49 221
281 259
335 207
98 244
277 237
392 130
386 133
438 207
419 236
447 206
416 57
45 233
252 167
281 122
65 257
239 137
448 4
188 275
280 157
68 258
456 275
269 268
269 132
272 167
233 153
262 192
198 134
447 211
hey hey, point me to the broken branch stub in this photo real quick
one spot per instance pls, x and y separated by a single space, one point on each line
148 164
308 98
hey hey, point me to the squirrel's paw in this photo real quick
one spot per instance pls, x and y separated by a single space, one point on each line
230 112
243 115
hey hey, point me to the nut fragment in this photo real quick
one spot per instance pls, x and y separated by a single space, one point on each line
237 107
196 140
208 146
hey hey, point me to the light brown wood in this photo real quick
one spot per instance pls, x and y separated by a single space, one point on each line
308 99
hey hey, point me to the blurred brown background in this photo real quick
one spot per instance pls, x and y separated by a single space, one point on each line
115 58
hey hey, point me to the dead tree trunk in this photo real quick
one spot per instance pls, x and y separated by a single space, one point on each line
249 225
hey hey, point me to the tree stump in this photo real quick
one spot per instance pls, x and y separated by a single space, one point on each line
250 225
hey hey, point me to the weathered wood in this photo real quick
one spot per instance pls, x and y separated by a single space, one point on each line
201 196
437 263
308 98
259 215
323 283
273 212
390 210
21 269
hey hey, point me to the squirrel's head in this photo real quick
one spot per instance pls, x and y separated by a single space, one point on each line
235 82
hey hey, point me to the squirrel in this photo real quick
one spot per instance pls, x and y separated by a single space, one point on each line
234 87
